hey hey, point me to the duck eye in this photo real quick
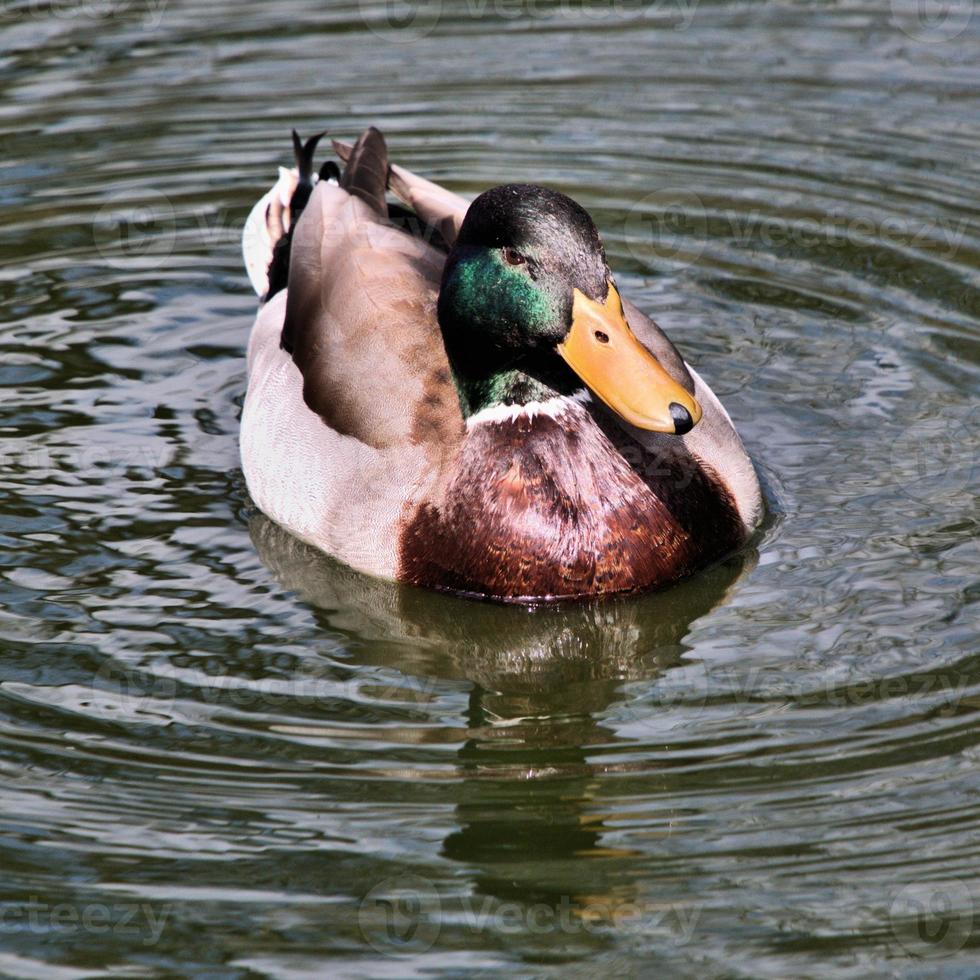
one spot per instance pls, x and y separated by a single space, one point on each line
603 338
513 257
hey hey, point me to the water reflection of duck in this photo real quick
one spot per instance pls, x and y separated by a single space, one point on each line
456 396
531 806
551 659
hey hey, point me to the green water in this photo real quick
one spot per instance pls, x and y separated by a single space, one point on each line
222 756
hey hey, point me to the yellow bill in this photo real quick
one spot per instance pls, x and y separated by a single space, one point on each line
602 350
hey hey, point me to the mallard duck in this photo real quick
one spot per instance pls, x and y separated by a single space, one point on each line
455 395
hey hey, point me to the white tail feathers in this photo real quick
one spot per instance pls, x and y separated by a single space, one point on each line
269 217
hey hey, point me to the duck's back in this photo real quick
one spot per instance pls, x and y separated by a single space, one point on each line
350 410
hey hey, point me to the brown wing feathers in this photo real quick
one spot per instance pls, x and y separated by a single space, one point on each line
366 173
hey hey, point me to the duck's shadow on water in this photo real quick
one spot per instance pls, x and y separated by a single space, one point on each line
542 680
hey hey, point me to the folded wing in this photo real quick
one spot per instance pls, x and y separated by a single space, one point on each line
360 320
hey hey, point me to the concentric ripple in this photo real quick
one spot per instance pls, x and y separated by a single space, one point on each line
224 755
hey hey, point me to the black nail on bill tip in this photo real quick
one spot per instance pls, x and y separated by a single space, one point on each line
682 418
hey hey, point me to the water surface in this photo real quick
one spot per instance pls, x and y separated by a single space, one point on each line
225 756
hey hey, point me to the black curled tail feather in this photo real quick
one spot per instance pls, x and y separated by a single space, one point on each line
366 173
304 165
279 265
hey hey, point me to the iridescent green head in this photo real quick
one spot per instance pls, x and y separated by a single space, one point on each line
507 293
528 311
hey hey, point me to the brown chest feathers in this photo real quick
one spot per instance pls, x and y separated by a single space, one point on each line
548 508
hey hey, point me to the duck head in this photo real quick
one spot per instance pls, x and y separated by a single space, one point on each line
529 311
